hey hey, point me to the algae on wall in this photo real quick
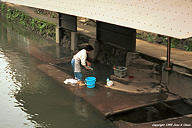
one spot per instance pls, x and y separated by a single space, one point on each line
44 28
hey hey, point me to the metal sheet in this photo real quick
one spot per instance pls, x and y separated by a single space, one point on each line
120 36
68 22
166 17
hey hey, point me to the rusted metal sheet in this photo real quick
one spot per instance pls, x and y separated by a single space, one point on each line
68 22
166 17
120 36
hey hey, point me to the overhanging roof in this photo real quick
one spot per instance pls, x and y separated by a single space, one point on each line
166 17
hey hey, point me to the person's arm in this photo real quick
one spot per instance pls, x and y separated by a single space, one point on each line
87 67
88 63
84 61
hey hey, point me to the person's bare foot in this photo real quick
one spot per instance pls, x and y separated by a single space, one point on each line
81 83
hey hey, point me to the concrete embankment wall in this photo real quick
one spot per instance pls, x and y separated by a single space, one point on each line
180 83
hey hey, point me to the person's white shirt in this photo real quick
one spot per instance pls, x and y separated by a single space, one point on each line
81 56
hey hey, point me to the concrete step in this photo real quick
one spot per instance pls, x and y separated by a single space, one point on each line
142 64
135 88
126 80
132 71
139 81
145 81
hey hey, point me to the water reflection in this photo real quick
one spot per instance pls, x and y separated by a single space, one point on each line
10 113
31 99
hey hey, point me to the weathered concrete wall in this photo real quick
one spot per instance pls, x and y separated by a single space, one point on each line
94 43
65 38
111 55
180 84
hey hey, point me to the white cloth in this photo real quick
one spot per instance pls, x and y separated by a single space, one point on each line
80 57
71 82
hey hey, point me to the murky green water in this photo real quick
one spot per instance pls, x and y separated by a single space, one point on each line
30 99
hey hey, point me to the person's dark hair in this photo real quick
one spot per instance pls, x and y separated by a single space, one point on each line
89 48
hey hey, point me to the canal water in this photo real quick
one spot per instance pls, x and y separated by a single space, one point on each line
29 98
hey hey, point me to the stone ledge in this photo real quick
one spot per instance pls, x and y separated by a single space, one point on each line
145 89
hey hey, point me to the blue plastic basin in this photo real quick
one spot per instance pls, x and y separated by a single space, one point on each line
90 82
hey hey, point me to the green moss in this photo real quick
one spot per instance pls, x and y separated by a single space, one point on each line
44 28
